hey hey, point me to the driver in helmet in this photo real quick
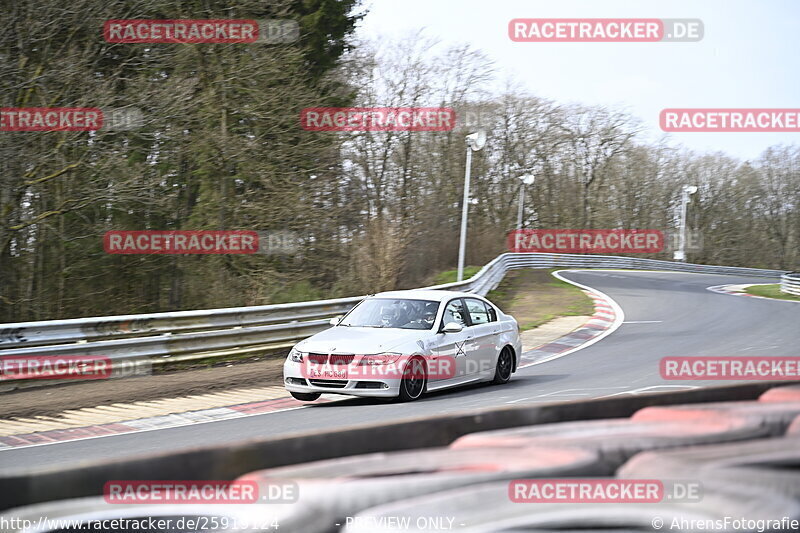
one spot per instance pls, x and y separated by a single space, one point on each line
388 316
429 314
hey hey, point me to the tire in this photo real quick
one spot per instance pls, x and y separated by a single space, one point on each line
789 393
341 487
762 465
774 416
505 363
794 427
617 440
487 508
305 396
413 386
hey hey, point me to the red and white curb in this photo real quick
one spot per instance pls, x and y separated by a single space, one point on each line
153 423
732 290
739 290
607 317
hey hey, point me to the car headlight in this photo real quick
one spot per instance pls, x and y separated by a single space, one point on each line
296 355
380 359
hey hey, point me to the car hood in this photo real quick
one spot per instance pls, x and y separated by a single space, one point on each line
361 341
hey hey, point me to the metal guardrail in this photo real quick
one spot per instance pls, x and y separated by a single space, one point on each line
53 332
136 341
790 283
490 275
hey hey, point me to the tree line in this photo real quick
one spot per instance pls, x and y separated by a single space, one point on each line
221 148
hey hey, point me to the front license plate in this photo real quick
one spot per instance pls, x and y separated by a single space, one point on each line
329 374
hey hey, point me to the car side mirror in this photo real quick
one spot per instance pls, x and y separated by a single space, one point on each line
335 320
452 327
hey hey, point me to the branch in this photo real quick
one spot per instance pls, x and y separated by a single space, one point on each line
54 175
47 214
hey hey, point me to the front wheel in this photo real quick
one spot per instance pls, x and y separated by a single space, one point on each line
305 396
502 372
414 380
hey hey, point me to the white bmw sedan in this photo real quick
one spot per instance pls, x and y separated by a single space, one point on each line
401 344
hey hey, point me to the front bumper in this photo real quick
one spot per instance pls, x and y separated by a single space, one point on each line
294 380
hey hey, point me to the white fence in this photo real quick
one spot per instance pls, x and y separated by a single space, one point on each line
790 283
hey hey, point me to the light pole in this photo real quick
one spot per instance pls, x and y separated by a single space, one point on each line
686 191
526 180
475 142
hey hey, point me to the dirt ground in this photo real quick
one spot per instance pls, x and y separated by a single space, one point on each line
43 401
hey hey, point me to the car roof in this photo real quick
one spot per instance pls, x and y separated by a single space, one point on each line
423 294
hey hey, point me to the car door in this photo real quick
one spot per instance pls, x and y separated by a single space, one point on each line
484 329
453 346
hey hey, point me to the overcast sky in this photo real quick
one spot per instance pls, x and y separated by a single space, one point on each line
747 59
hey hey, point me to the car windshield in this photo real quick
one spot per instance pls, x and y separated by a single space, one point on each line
392 313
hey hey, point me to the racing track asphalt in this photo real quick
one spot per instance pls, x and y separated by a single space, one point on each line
666 314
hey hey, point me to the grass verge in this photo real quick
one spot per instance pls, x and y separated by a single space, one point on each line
534 296
770 291
450 276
